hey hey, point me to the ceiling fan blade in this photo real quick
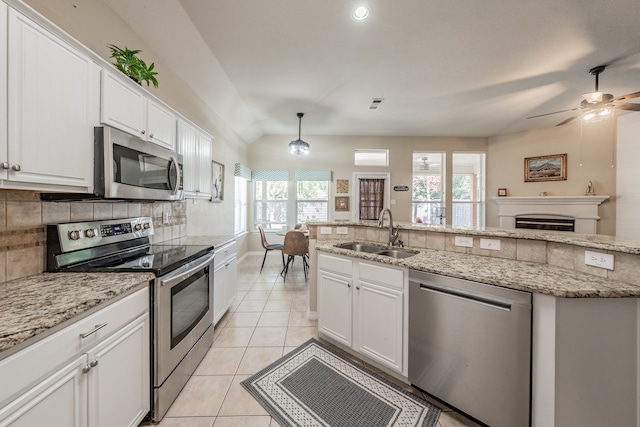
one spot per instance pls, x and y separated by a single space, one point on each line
555 112
575 116
628 106
627 96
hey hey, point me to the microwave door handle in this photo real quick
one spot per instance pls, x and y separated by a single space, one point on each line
174 161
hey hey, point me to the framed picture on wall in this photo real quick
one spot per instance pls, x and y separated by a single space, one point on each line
545 168
217 189
342 204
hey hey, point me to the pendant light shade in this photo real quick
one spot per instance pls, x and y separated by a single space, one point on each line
298 146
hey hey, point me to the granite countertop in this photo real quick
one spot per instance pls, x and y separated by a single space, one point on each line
594 241
520 275
36 306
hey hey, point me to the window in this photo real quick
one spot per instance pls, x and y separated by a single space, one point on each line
271 189
312 201
467 189
371 158
427 188
312 195
240 205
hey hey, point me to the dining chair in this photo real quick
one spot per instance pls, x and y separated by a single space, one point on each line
269 247
296 243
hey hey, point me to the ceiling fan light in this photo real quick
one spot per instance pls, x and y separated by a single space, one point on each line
593 97
605 112
361 13
589 116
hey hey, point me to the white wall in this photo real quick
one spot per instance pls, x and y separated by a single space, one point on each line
628 177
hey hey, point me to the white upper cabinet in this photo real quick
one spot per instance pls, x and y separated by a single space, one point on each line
195 147
52 106
125 106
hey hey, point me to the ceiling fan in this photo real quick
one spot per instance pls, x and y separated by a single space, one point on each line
597 105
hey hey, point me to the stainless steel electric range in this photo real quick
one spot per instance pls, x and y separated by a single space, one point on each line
182 293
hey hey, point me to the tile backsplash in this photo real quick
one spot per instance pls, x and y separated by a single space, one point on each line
23 220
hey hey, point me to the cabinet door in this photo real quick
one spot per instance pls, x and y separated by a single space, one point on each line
123 106
379 319
119 382
4 173
53 93
205 167
230 281
187 143
60 400
335 307
219 301
161 125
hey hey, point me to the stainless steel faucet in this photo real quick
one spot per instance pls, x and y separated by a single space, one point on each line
393 232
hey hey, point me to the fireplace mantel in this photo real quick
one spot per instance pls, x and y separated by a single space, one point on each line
584 209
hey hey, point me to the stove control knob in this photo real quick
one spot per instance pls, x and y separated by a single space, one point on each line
137 227
146 264
147 225
90 233
74 235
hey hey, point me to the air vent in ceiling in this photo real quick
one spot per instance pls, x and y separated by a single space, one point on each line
376 103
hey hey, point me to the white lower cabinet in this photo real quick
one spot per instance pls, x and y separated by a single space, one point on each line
362 306
224 279
106 383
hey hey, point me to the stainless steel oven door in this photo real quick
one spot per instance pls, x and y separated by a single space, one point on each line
183 311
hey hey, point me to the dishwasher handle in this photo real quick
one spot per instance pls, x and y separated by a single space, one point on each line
475 298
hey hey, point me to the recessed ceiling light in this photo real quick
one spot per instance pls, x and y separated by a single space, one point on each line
361 13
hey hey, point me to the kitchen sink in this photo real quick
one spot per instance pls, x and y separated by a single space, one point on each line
360 247
377 250
396 253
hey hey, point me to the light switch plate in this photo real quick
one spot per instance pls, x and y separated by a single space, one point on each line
465 241
490 244
598 259
325 230
342 230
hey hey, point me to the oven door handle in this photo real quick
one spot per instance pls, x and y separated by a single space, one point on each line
186 270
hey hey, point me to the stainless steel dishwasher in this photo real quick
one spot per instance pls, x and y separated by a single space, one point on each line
470 346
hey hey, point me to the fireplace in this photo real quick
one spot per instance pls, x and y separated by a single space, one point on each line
564 213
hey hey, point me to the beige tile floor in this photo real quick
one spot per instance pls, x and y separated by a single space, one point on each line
267 320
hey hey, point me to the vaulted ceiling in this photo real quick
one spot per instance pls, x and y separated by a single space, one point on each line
443 68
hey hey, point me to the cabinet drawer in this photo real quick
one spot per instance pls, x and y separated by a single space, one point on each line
383 275
336 264
224 254
25 367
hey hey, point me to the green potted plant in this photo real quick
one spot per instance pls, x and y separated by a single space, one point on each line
128 62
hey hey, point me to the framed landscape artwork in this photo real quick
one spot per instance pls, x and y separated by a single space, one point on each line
545 168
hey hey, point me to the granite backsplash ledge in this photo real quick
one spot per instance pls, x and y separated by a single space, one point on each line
558 249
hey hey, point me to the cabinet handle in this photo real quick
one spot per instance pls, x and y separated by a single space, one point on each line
143 132
358 287
93 331
348 284
150 135
16 167
94 363
86 369
4 165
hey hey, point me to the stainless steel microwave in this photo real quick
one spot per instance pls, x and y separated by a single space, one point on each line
127 167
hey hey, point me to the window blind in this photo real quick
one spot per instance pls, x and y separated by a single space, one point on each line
313 175
270 175
242 171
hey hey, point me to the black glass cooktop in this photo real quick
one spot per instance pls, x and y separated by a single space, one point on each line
159 259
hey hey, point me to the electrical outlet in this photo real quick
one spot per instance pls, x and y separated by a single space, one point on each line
598 259
465 241
325 230
490 244
342 230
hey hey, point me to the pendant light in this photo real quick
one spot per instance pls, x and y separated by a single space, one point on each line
298 146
